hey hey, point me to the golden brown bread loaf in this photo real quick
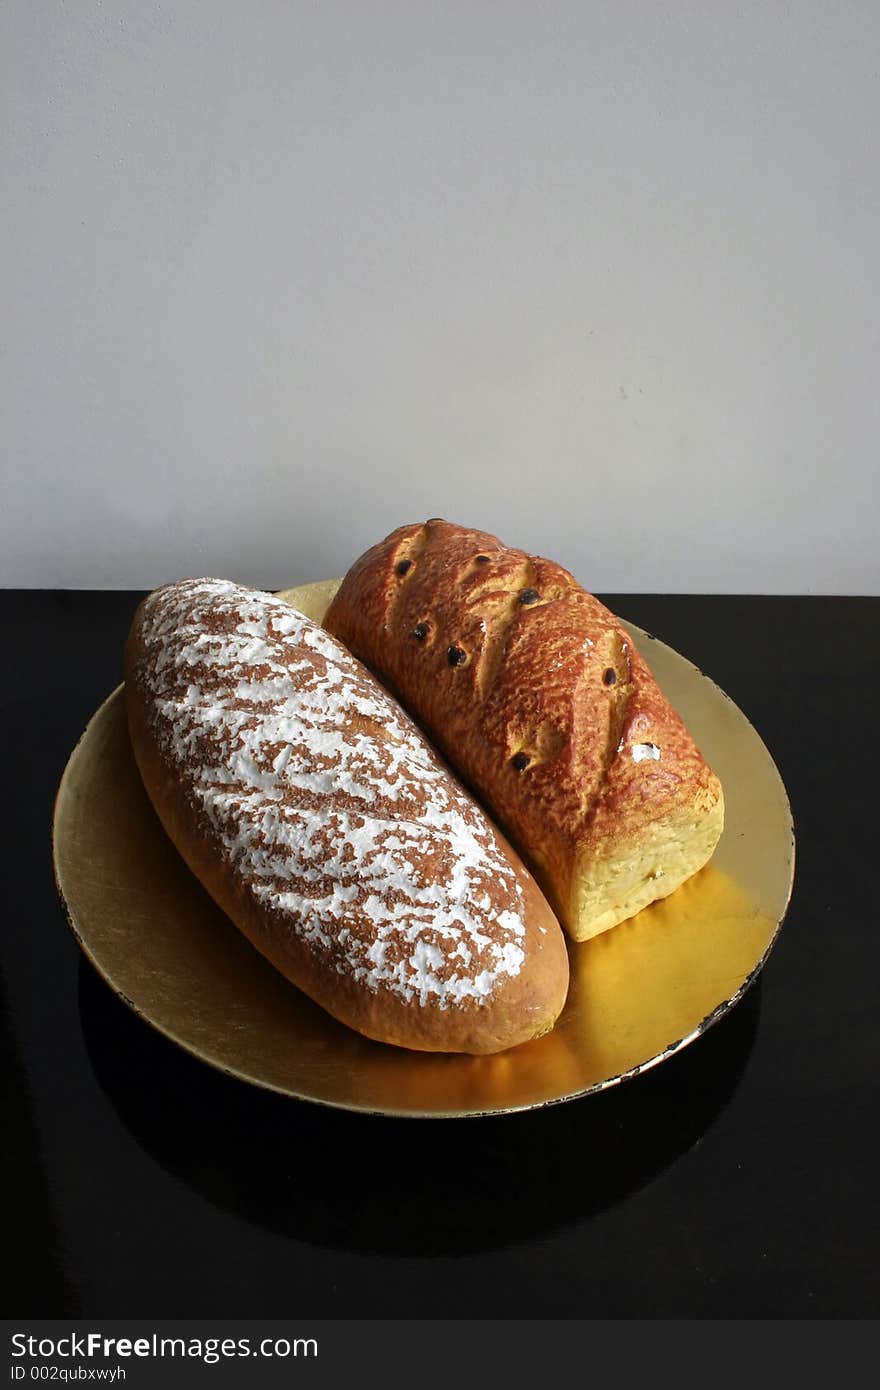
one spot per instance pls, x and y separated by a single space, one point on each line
538 698
323 824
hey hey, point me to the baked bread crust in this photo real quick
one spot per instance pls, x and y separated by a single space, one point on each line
538 698
320 820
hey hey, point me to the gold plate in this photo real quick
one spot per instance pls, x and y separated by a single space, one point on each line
639 993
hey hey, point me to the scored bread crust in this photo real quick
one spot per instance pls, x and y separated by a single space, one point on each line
538 698
323 824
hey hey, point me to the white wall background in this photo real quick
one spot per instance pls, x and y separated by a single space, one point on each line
601 277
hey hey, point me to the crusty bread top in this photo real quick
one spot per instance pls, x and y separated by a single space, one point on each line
530 687
325 799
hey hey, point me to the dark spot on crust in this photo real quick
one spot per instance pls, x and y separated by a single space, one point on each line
403 565
610 676
529 596
520 761
420 631
456 655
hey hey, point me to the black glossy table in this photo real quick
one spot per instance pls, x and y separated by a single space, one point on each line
738 1179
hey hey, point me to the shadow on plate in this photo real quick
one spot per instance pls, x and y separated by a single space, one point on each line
375 1185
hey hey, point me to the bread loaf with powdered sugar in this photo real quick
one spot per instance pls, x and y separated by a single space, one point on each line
322 822
542 703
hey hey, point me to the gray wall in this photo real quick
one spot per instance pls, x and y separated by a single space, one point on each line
599 277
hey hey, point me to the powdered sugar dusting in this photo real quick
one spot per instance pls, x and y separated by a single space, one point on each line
325 798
